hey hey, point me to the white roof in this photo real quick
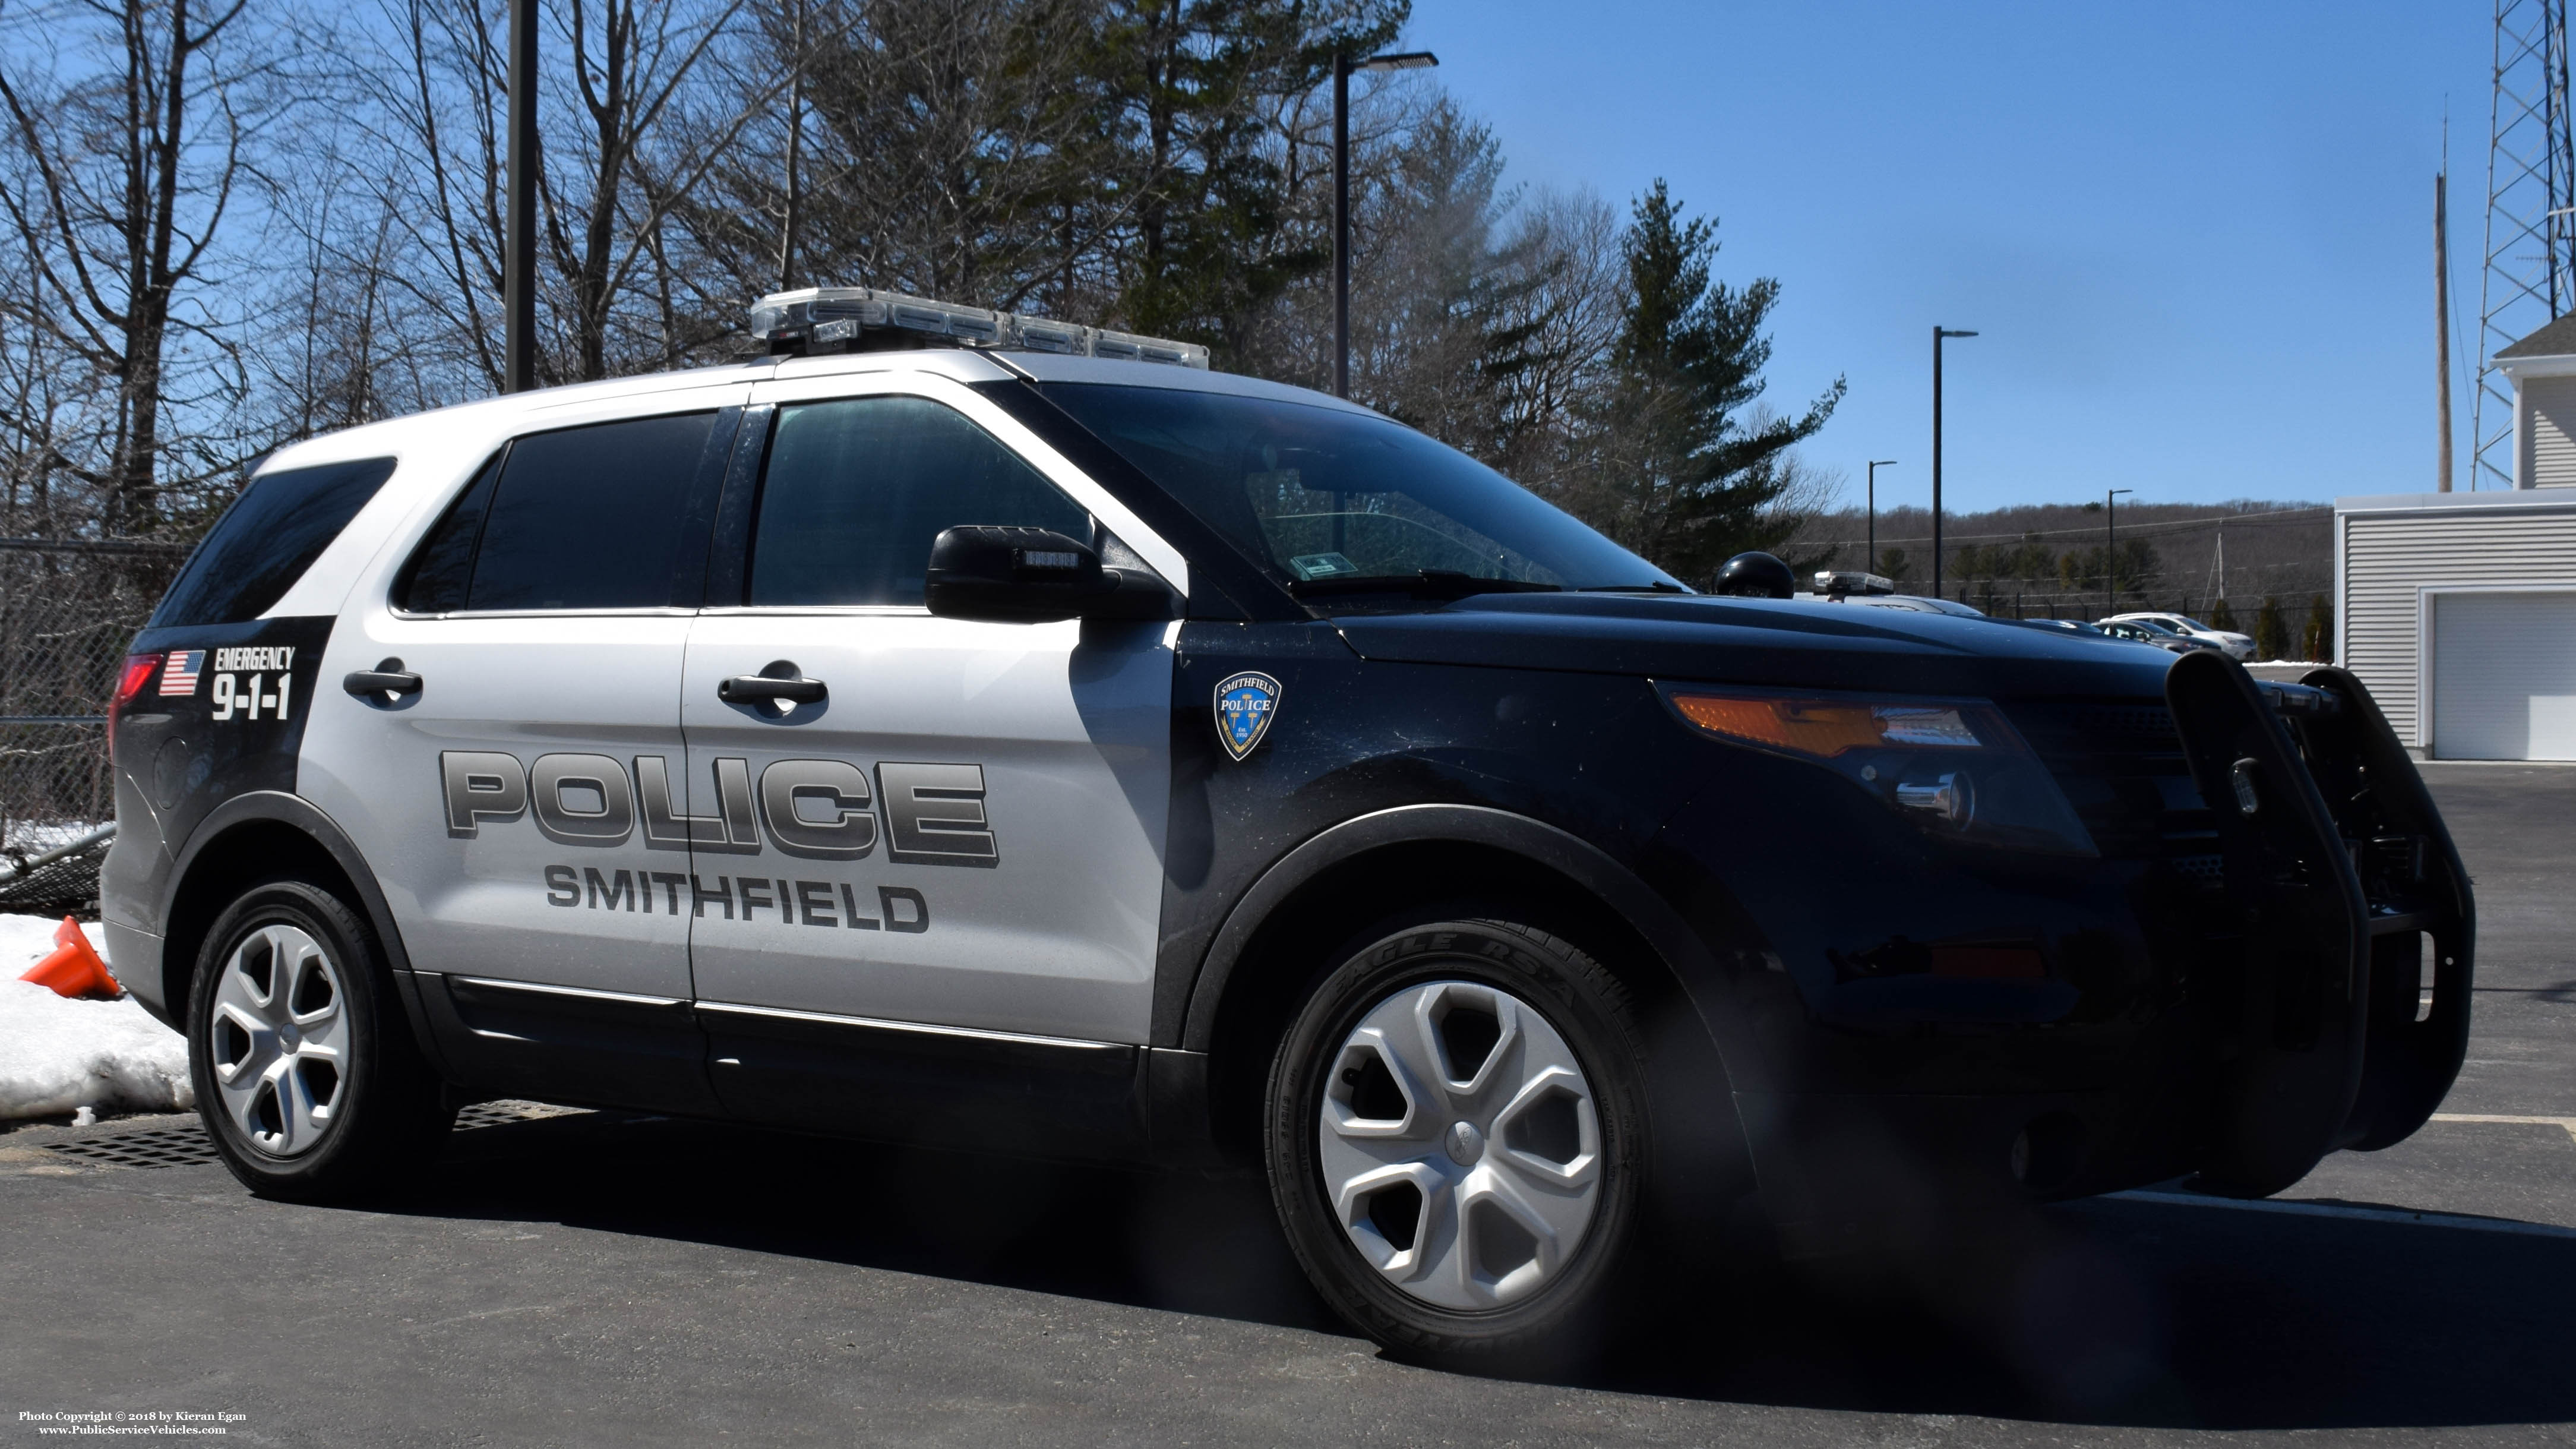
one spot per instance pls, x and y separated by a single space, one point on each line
2484 498
505 414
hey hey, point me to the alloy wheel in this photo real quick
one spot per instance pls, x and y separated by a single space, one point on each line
280 1040
1459 1145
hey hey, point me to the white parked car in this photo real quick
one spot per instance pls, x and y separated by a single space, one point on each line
2236 646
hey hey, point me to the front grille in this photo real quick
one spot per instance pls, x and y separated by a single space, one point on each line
2121 765
2209 872
2123 729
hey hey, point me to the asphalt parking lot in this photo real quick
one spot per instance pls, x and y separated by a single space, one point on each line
581 1279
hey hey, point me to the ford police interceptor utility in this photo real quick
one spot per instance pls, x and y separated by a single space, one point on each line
1034 740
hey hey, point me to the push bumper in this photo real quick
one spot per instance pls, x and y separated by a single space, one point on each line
2323 987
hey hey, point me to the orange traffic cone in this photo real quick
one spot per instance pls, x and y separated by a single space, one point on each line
73 969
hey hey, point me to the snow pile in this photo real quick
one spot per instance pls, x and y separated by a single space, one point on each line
35 838
57 1054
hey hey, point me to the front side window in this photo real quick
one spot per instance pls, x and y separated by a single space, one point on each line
1328 499
583 518
856 489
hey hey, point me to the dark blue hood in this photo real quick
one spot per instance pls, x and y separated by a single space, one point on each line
1797 642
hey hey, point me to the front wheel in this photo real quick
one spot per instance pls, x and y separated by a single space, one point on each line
1457 1140
307 1077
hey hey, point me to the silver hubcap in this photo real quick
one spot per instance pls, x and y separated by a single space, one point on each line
1459 1145
281 1034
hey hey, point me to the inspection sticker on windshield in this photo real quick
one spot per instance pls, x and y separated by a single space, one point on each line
1244 705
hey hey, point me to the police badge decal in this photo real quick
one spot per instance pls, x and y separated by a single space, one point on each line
1244 705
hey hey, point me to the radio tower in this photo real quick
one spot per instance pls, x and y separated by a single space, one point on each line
2530 274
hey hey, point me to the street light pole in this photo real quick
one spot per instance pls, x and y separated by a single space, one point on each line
1341 223
1875 464
519 249
2110 551
1344 67
1938 334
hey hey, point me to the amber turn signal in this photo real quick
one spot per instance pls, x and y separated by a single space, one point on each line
1825 728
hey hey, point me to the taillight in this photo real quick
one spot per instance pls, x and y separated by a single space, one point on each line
138 672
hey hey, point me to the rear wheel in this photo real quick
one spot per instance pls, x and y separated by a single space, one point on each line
307 1077
1457 1141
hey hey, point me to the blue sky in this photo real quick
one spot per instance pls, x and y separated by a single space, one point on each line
2196 238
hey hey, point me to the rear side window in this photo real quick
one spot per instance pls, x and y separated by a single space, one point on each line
584 518
267 539
857 489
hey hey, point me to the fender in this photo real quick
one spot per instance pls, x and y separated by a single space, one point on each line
1569 855
279 807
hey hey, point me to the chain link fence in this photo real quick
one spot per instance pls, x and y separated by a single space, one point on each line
67 612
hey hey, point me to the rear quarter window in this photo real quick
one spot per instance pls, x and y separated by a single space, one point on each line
267 539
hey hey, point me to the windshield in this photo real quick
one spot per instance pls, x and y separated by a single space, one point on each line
1336 502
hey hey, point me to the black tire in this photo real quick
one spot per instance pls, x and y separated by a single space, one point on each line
1566 1318
386 1108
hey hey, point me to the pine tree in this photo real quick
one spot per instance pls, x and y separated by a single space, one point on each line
1691 462
1211 204
2221 617
2316 640
2271 630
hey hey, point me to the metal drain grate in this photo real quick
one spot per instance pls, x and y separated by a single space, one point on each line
190 1147
510 1113
160 1147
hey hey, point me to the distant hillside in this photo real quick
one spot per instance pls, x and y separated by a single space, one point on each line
2049 560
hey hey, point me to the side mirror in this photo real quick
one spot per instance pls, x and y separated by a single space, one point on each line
1034 576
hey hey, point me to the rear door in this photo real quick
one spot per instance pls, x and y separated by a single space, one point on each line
503 801
966 831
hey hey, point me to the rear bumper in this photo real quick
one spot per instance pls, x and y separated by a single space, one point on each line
134 959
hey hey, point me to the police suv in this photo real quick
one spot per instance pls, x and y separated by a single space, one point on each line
958 727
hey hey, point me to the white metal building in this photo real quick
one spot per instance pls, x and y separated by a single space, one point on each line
2458 610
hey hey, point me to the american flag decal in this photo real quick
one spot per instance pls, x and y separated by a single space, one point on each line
179 670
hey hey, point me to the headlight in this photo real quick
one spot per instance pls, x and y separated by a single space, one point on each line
1955 767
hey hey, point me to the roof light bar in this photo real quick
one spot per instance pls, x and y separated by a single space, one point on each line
1838 582
834 319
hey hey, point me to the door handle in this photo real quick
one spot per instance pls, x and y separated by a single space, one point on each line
383 684
753 688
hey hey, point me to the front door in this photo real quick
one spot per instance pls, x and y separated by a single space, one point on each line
964 831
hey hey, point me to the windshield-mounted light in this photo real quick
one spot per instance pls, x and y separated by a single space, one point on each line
1954 767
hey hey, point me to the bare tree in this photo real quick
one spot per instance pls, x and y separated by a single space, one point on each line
640 102
125 171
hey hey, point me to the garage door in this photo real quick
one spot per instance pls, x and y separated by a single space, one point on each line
2504 676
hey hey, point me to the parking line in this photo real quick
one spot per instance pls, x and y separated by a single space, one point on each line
2357 1214
2567 1122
